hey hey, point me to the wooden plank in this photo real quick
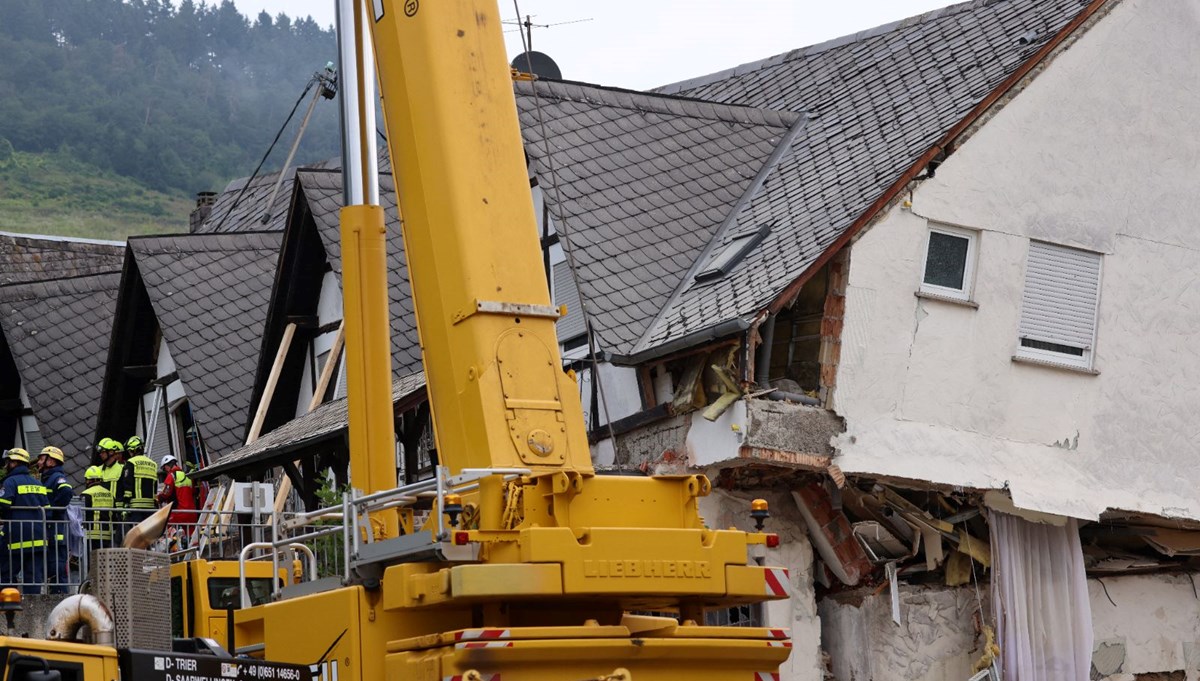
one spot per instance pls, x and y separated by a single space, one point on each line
285 485
264 402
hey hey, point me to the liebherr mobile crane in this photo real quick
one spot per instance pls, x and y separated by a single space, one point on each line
528 566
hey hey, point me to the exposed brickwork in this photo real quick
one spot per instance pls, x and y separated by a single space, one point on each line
831 324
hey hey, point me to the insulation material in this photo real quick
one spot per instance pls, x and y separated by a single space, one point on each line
1040 597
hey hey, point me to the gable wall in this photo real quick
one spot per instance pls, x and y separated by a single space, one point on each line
1099 152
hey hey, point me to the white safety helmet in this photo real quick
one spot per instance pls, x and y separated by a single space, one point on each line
168 460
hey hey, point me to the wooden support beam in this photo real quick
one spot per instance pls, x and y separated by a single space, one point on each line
264 402
285 485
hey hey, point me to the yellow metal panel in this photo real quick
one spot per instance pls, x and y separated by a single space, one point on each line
471 241
647 659
475 581
368 355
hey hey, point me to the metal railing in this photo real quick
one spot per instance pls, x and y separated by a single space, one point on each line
42 551
334 538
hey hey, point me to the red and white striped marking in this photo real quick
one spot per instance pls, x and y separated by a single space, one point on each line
779 644
482 634
474 645
777 633
776 580
766 676
496 677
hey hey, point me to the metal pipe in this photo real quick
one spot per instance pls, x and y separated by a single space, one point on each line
781 395
69 616
245 595
357 91
762 370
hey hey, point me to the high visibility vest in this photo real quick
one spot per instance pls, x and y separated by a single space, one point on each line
145 482
110 476
98 501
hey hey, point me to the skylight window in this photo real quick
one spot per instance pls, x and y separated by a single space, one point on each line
726 257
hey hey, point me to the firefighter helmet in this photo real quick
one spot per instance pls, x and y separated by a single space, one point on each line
93 473
54 453
17 454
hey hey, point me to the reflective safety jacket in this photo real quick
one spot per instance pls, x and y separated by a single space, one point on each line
98 501
178 489
139 482
24 505
111 477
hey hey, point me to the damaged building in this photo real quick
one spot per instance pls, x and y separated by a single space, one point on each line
926 289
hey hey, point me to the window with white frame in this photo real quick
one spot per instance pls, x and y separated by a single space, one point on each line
949 269
1059 305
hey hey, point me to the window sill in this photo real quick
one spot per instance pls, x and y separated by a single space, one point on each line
925 295
1054 365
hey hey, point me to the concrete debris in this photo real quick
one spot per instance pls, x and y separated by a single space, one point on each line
832 535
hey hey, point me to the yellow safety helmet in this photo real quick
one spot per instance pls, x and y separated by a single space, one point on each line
133 443
93 473
17 454
54 453
110 445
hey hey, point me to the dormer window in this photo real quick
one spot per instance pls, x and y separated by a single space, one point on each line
725 257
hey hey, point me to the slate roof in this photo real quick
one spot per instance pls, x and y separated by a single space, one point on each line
210 294
28 257
642 182
323 191
878 100
327 421
242 204
238 211
58 332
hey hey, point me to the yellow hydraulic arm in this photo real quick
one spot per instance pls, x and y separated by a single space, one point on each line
498 395
531 566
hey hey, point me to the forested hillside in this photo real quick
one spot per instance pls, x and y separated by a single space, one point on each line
178 96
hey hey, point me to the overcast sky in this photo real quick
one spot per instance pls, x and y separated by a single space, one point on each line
640 44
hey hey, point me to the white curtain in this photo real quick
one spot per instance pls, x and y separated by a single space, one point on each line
1040 597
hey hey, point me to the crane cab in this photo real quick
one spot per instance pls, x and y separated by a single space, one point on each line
203 592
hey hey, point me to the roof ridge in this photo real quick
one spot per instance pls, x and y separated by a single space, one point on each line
823 46
8 292
785 143
54 238
669 103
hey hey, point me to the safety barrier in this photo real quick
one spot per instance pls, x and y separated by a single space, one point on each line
41 552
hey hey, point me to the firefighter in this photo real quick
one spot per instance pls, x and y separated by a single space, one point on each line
23 504
112 465
178 490
54 479
138 484
98 504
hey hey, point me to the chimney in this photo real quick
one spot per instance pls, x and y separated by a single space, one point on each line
204 206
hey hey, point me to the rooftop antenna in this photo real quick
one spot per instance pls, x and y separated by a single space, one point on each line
527 25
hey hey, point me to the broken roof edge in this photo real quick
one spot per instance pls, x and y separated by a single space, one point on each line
945 145
818 48
61 239
10 293
657 102
643 348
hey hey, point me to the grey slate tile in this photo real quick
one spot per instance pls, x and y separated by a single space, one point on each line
58 332
879 99
210 294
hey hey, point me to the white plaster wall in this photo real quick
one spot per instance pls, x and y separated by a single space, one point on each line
1151 624
723 509
936 639
329 311
1099 152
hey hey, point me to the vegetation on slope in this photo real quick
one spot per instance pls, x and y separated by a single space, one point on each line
180 97
56 194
